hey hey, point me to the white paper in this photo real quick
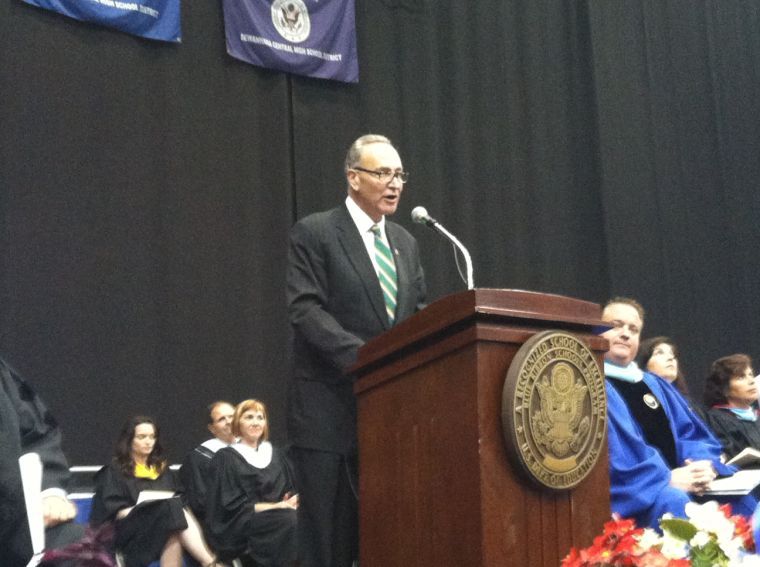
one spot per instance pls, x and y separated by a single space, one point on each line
147 495
741 482
30 466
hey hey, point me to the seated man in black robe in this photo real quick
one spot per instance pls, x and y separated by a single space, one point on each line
26 426
194 473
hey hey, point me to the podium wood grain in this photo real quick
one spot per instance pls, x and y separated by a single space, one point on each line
436 487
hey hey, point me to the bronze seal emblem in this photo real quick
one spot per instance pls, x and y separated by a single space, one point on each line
554 410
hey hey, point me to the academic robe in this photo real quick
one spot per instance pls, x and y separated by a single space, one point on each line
639 476
141 534
194 476
27 426
234 526
734 434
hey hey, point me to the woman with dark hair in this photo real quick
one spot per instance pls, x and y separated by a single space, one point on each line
731 396
252 503
659 355
137 492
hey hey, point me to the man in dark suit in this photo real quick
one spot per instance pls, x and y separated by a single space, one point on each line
351 276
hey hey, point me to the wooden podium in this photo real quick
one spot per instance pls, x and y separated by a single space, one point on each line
436 487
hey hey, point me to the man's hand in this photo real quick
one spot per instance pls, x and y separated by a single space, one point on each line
56 510
694 476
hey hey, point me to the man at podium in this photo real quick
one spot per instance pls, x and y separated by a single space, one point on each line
351 276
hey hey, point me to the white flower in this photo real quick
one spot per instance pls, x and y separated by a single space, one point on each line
648 539
700 538
732 549
673 547
708 517
702 515
711 523
749 561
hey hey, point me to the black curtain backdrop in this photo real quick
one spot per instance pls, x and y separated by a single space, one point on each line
146 190
679 133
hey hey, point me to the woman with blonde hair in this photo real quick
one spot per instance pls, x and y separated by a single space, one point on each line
252 502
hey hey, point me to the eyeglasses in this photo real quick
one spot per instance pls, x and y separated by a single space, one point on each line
386 175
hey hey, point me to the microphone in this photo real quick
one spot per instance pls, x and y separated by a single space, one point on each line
421 216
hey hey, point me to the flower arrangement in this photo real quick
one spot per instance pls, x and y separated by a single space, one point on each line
710 536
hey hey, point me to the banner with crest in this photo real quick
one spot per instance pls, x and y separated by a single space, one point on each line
152 19
316 38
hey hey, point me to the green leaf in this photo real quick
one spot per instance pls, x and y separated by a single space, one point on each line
679 528
705 562
708 555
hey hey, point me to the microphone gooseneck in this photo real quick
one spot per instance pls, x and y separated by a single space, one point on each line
421 216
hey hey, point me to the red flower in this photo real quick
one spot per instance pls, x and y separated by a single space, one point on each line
653 558
615 546
573 559
742 528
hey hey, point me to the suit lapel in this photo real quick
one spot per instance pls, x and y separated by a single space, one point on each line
356 252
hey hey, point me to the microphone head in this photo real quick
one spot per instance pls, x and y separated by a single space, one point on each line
420 215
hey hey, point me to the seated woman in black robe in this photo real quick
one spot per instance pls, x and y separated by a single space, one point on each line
731 396
251 506
135 491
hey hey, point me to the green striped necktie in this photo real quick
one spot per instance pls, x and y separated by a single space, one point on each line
386 273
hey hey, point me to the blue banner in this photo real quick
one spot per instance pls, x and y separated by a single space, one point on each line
153 19
316 38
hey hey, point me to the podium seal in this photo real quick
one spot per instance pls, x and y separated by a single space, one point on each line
554 410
